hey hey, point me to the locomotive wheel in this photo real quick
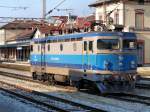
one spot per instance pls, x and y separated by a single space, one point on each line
51 80
45 77
40 77
34 76
77 84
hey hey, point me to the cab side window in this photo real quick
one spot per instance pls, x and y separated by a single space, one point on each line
90 45
85 45
61 47
74 46
48 47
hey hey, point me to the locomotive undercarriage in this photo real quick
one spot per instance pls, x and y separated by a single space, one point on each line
109 83
105 83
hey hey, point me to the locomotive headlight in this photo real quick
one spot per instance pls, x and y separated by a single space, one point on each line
120 58
120 64
106 65
133 64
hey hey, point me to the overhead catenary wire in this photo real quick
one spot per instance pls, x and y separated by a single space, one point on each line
13 7
6 20
49 12
64 9
21 18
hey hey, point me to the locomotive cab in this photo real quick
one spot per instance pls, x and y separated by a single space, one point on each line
116 63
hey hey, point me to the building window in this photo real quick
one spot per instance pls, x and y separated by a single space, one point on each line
61 47
85 46
48 47
139 19
90 45
116 18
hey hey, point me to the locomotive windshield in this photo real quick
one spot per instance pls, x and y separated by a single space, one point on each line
129 44
103 44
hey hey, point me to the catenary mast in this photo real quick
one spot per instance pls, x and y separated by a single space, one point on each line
43 9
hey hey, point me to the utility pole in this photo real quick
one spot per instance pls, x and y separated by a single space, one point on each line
43 9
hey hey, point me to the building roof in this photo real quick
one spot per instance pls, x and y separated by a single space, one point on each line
15 45
23 24
100 2
63 18
24 35
47 29
90 18
81 22
27 29
60 21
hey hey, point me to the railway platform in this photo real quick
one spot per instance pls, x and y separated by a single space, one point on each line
24 68
144 71
13 71
16 68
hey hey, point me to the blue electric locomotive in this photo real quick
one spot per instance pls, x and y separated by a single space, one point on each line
107 60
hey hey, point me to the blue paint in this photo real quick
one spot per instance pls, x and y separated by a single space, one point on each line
94 62
113 62
109 62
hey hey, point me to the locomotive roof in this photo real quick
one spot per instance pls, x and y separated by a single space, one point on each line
126 35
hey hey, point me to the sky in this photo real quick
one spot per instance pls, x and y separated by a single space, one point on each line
80 7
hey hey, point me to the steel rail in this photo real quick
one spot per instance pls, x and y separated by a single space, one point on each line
131 98
26 78
32 100
143 86
90 108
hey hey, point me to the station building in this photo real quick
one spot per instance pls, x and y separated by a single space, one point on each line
15 39
133 15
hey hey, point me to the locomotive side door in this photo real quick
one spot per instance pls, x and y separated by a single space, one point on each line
140 52
86 55
43 64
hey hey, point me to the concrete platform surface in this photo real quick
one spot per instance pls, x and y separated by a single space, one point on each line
144 71
16 66
18 63
24 73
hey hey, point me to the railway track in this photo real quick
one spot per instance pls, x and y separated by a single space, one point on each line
143 83
144 78
123 97
17 76
143 86
27 78
20 96
131 98
127 97
45 100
